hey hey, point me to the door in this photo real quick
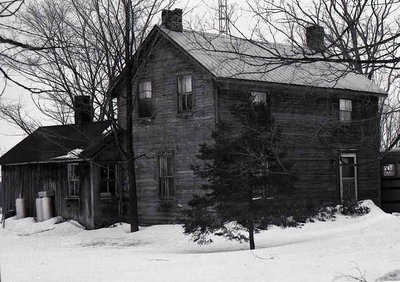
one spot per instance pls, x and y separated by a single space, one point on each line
348 177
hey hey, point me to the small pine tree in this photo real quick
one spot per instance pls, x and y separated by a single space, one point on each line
248 181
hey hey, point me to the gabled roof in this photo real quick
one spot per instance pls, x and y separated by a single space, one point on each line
231 57
58 143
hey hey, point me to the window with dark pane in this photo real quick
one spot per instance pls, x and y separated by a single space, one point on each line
185 99
348 167
345 109
108 180
145 100
167 175
260 192
260 187
73 180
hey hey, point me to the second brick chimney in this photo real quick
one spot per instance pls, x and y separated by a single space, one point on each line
172 19
83 110
315 38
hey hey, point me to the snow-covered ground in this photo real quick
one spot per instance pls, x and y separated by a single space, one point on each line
366 246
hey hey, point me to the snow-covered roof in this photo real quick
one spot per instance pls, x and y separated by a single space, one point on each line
58 143
231 57
73 154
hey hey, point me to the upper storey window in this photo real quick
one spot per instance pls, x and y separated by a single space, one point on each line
185 99
258 97
345 109
145 101
389 170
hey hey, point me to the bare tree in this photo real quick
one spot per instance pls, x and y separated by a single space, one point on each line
86 51
17 114
91 44
10 43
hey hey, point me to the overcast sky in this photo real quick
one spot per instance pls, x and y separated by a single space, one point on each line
200 10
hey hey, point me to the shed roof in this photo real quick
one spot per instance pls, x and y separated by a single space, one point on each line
57 144
232 57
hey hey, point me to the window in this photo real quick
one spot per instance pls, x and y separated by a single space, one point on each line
73 180
185 93
389 170
167 175
108 180
260 192
145 102
258 97
348 166
345 109
261 189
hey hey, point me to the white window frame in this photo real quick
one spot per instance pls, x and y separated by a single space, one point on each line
145 96
185 93
73 180
345 110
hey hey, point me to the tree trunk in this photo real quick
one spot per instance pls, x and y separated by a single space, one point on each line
130 155
132 196
251 236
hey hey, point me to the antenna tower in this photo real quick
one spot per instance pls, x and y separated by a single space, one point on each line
223 16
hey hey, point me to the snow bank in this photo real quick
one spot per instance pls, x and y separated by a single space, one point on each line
320 251
28 226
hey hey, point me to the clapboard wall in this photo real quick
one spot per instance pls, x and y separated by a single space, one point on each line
29 179
308 117
313 137
168 131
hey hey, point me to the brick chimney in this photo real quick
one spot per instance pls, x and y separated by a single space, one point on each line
83 110
315 38
172 19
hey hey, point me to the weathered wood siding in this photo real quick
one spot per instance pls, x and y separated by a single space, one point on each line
313 136
27 180
308 117
170 131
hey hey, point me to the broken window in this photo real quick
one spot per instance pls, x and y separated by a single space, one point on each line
345 109
108 180
167 175
73 180
185 103
145 101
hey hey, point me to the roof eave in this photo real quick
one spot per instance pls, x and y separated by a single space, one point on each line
46 162
225 79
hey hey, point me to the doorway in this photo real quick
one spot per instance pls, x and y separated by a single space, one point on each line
348 177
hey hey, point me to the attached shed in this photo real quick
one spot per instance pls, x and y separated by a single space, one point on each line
78 163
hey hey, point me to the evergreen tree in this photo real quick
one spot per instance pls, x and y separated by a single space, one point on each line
248 181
